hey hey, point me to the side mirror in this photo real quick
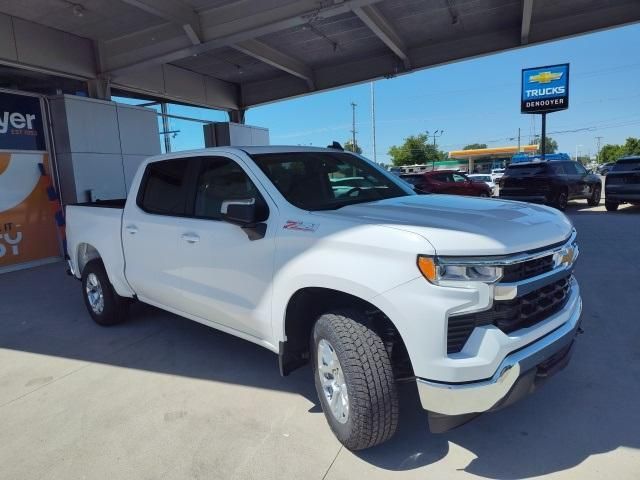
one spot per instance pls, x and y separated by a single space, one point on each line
240 212
243 212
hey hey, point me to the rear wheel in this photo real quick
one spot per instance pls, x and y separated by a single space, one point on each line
105 306
354 380
594 199
611 206
484 195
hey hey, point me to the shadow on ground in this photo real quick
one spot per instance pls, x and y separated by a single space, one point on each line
588 409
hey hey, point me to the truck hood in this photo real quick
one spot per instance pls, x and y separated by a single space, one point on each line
456 225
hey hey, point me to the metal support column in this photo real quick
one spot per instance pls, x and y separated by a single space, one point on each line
99 88
237 116
543 141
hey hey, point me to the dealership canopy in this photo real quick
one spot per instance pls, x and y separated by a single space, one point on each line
232 55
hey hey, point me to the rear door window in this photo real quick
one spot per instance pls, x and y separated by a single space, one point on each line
557 168
164 187
442 177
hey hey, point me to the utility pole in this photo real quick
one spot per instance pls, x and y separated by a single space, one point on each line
373 123
518 139
165 127
353 126
598 139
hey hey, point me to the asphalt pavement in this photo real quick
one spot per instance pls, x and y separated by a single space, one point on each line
163 397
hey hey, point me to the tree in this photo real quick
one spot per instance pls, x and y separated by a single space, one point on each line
610 153
416 150
475 146
350 147
551 146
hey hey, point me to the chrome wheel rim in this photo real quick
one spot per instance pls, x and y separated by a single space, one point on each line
94 293
334 386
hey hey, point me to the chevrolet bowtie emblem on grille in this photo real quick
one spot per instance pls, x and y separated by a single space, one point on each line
545 77
567 256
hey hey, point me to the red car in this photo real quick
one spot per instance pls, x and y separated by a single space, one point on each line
447 181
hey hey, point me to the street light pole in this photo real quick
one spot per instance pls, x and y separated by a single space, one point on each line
435 135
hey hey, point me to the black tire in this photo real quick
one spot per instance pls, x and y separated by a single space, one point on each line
594 199
611 206
115 308
367 371
561 200
483 195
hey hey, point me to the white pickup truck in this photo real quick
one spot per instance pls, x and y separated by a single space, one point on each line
321 256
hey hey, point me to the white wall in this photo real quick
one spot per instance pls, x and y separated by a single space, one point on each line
99 145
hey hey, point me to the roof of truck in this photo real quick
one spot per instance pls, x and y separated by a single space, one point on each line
251 150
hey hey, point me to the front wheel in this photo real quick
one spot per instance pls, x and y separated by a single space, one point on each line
354 380
594 199
105 306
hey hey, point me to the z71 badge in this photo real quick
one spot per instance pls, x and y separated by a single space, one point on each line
300 226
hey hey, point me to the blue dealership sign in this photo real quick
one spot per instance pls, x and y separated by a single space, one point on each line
545 89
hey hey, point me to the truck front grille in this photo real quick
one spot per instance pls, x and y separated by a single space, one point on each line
510 315
523 270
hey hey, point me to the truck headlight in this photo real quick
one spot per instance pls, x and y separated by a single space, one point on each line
451 274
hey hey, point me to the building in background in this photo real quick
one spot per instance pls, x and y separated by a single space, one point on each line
483 160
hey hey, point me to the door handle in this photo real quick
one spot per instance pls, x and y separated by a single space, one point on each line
132 229
190 237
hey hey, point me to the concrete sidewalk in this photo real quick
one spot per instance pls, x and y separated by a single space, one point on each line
163 397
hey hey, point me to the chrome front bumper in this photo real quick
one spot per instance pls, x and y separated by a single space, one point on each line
477 397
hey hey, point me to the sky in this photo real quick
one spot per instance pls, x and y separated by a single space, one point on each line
472 101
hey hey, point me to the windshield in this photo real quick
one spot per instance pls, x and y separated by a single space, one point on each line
627 166
327 180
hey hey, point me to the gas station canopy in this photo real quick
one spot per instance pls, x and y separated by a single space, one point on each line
234 54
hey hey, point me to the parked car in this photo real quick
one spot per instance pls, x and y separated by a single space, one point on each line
484 178
605 168
474 300
446 181
623 183
550 182
497 173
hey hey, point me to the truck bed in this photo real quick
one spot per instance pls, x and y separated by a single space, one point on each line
96 227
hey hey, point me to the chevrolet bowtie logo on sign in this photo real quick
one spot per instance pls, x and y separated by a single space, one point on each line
545 89
545 77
